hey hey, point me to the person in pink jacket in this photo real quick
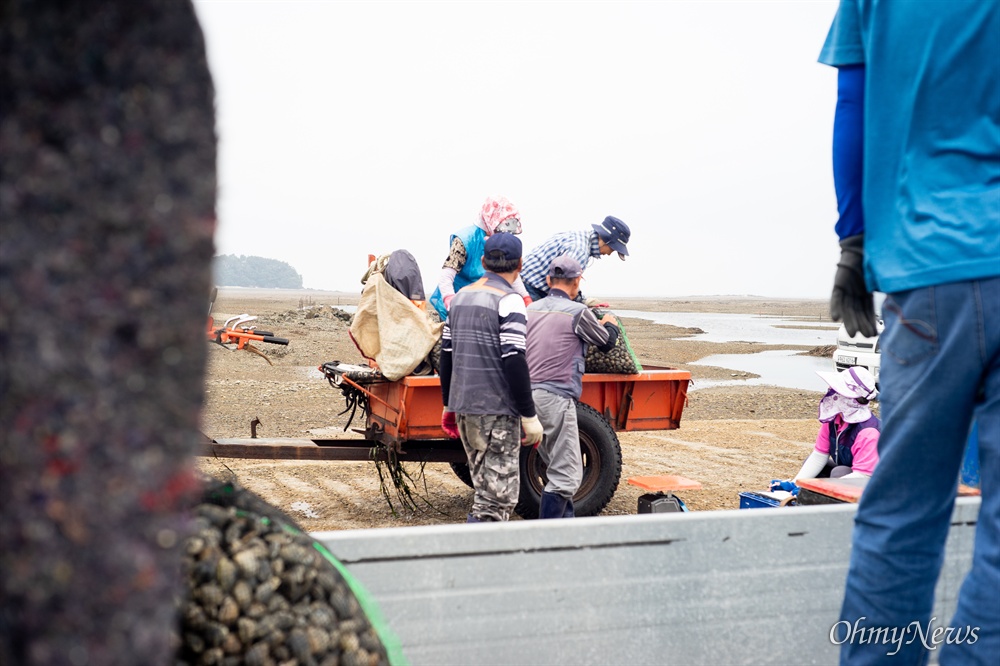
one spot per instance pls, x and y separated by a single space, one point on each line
847 442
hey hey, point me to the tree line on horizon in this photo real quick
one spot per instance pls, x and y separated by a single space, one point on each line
232 270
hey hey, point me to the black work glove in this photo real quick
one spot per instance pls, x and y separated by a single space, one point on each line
851 301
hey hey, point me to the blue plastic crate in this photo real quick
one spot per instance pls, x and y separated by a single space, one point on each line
752 500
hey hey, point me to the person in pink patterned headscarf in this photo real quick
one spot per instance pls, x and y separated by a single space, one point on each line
497 211
464 264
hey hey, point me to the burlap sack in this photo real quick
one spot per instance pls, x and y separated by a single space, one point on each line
390 329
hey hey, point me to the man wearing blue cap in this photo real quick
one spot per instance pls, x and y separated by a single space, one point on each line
612 235
484 380
559 331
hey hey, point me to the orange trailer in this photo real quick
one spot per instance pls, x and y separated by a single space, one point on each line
403 419
410 409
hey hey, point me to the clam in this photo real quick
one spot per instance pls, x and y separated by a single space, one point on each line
215 515
260 594
354 658
258 655
277 639
194 642
215 633
257 610
229 611
194 616
298 643
277 603
231 644
369 640
284 619
243 594
233 532
349 642
293 553
322 616
194 546
211 595
225 573
266 589
246 629
212 656
248 563
319 640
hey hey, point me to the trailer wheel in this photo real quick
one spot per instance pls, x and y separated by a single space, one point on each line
461 470
602 468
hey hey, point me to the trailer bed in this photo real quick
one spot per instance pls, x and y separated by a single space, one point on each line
405 416
402 422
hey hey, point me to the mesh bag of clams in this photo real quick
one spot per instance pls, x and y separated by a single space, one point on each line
620 361
260 591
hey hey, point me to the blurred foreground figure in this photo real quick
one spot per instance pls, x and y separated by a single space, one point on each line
107 203
917 171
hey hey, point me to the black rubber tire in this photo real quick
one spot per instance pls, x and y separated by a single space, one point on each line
602 468
461 470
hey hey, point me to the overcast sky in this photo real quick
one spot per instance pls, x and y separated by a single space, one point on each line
354 128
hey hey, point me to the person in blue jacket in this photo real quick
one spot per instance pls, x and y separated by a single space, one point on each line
464 264
917 174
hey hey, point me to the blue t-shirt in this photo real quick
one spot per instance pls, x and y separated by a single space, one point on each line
932 136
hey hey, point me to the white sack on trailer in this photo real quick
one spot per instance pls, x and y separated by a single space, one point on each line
390 329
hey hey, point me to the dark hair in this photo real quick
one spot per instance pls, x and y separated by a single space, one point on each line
495 263
561 280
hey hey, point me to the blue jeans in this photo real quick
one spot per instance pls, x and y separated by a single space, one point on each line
940 369
536 294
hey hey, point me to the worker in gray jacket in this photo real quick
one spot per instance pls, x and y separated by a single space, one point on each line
559 330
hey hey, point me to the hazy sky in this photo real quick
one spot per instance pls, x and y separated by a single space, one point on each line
354 128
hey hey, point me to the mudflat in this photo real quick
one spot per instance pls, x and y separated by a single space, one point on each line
731 438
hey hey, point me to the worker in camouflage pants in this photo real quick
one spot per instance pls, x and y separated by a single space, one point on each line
492 447
484 380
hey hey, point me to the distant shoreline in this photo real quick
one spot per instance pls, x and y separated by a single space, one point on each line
702 303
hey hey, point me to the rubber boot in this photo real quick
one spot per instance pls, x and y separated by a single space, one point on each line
552 506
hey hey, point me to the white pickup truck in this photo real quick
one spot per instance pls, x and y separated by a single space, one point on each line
858 349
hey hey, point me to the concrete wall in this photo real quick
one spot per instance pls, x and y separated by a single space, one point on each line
759 586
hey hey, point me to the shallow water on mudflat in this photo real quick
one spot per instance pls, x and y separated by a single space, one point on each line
782 368
728 327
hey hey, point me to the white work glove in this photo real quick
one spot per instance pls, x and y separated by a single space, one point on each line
532 430
813 465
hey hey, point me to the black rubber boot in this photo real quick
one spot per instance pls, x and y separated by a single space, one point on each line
552 506
568 512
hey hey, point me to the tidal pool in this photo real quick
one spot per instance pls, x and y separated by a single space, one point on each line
728 327
783 368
